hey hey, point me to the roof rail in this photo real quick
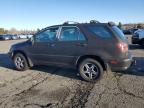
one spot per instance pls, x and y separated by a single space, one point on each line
94 21
70 22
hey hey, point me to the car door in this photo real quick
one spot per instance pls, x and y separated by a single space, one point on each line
70 45
43 47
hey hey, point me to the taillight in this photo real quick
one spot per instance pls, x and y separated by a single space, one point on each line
123 47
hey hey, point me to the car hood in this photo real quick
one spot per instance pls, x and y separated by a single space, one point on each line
21 44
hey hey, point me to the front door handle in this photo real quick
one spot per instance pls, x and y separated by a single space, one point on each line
82 44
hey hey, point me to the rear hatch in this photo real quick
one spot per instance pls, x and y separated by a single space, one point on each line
122 46
119 33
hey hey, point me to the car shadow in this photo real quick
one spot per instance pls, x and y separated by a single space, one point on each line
135 46
6 62
137 70
60 71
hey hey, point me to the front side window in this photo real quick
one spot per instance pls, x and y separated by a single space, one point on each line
71 34
100 31
46 35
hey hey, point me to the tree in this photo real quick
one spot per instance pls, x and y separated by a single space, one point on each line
38 29
139 26
2 31
120 25
15 31
12 31
6 32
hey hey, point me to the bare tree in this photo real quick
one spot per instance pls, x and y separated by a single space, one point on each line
12 31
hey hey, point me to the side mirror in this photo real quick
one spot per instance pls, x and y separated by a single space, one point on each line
32 40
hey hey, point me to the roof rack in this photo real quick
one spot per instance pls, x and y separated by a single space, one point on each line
111 24
70 22
94 21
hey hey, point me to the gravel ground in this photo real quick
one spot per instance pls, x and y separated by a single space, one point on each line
52 87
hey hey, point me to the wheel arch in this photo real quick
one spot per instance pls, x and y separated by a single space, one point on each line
99 59
30 63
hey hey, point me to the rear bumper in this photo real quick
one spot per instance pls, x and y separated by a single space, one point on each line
122 65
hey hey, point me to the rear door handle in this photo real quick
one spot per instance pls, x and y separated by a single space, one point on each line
52 45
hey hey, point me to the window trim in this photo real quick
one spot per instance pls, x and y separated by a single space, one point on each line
44 31
60 31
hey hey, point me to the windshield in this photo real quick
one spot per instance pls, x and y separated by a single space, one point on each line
119 33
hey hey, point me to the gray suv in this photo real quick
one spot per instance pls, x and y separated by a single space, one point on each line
92 48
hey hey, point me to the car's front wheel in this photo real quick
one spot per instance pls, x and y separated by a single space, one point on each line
90 70
20 62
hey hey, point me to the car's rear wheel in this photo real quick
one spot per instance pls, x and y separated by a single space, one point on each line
20 62
91 70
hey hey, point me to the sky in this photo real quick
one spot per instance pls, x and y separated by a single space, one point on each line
33 14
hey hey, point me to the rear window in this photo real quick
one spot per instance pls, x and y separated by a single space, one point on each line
100 31
119 33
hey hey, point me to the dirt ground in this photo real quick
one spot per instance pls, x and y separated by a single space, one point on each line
53 87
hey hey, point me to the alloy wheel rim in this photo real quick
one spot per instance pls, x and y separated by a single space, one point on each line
90 70
19 62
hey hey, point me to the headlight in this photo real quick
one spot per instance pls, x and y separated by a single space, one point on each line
11 48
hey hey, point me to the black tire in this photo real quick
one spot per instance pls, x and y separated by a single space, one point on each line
83 70
20 62
141 42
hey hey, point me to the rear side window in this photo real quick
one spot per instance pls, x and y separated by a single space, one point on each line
119 33
100 31
71 34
